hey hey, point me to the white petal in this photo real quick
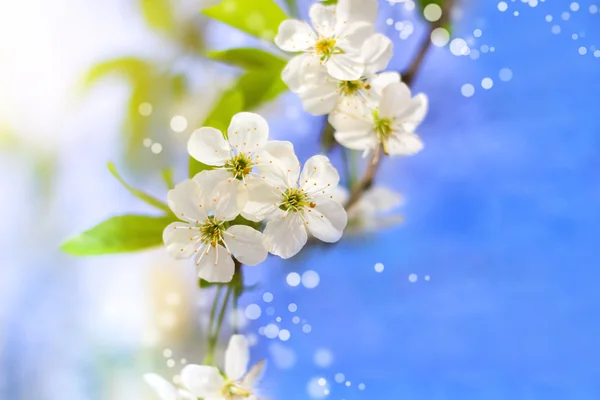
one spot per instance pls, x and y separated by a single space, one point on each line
254 374
404 144
323 19
327 220
294 72
224 195
286 236
340 195
345 67
229 199
181 239
319 99
319 176
394 99
163 388
247 131
415 113
359 140
357 10
237 357
185 200
215 265
377 51
295 36
262 199
208 146
277 162
381 81
202 380
352 36
247 244
380 200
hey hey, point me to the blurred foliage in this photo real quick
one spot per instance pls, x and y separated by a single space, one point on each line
138 193
122 234
249 58
260 18
158 14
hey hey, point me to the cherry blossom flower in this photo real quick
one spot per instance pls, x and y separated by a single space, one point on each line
165 390
246 154
336 40
391 124
236 382
205 230
371 212
299 202
321 93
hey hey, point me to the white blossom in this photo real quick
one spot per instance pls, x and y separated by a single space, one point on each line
165 390
321 93
391 124
205 232
246 154
298 202
372 212
236 382
336 40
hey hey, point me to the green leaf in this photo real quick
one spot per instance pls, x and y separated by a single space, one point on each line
133 69
167 175
158 14
202 284
248 58
329 2
154 202
260 18
120 234
231 103
260 87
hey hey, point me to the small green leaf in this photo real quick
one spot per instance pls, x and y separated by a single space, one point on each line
158 14
329 2
122 234
249 58
133 69
260 87
202 284
154 202
231 103
260 18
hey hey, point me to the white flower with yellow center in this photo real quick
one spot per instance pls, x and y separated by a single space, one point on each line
205 232
208 383
335 42
297 203
237 382
390 124
244 155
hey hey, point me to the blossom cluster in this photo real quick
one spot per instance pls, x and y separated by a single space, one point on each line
209 383
259 180
338 72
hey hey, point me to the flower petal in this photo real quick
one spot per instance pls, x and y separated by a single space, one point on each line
181 239
415 113
237 357
319 176
320 99
215 264
357 10
286 236
340 195
247 131
358 140
294 72
377 51
404 144
202 380
262 199
208 146
353 133
224 195
379 200
352 36
323 19
327 220
163 388
247 244
395 98
345 67
277 163
295 36
381 81
185 201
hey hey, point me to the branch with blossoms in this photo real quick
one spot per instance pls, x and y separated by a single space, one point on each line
248 196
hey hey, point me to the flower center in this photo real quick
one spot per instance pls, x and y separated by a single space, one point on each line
211 231
349 88
294 200
325 48
232 390
382 128
240 165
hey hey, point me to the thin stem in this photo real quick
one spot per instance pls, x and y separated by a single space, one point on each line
213 310
367 179
222 314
